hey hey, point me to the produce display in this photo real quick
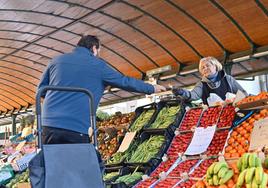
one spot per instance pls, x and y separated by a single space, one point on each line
186 184
111 133
262 95
109 141
239 140
163 167
117 120
219 173
184 166
147 149
129 178
217 143
168 182
227 117
116 158
165 117
19 178
179 144
201 170
109 176
146 183
142 120
210 116
191 119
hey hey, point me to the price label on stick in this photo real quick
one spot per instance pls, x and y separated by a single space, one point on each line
126 141
201 140
259 135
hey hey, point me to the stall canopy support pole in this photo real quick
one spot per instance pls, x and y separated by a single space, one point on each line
14 124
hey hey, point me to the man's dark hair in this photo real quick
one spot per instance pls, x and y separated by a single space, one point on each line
88 41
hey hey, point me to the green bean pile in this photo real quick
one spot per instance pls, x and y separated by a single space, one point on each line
142 120
165 117
130 178
147 149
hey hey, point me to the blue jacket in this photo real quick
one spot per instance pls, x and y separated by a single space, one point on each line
80 68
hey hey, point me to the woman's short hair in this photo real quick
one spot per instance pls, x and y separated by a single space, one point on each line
211 60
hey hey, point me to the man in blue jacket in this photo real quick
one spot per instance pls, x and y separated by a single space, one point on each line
65 115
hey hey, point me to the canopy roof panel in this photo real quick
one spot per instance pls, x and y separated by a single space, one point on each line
136 36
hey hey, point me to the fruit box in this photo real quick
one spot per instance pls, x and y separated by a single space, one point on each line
226 117
210 116
173 124
155 161
140 110
258 104
110 170
190 119
125 171
200 169
179 144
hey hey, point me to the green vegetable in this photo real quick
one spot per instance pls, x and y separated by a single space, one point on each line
130 178
116 158
165 117
110 175
147 150
142 120
19 178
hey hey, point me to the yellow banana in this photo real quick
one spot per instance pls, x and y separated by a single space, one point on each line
258 162
264 181
210 169
254 183
239 164
227 176
249 175
215 180
241 178
252 160
218 166
222 172
245 160
259 175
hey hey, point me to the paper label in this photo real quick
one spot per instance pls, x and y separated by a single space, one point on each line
259 135
201 140
127 141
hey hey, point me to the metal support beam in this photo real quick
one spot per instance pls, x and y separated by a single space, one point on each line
14 124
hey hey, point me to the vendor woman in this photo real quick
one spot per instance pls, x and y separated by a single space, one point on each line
214 80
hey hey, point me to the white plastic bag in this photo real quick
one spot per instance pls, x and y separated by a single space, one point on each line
214 99
229 97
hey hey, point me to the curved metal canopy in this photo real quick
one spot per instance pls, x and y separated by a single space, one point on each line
136 35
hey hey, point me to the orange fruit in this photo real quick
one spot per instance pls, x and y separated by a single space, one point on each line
234 133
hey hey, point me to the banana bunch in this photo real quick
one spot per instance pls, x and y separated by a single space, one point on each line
218 174
253 177
248 160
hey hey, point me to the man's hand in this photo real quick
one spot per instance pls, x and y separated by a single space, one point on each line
159 88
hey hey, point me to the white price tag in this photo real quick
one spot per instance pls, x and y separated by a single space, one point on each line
165 158
163 175
201 140
145 177
177 132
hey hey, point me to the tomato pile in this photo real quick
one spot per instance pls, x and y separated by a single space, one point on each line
201 170
210 116
186 184
179 144
227 117
217 143
190 119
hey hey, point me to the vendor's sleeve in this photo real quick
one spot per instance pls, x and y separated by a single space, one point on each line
113 78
